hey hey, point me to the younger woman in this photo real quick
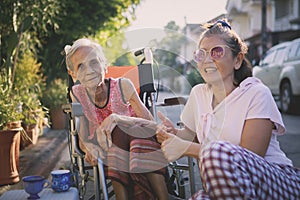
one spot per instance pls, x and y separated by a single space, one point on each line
236 122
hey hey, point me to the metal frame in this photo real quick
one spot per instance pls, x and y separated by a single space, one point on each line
81 172
177 168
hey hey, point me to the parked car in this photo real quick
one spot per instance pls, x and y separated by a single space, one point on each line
280 71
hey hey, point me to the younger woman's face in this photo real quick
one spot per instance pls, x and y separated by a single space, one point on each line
87 67
219 70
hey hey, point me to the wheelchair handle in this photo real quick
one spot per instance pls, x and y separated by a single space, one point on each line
148 56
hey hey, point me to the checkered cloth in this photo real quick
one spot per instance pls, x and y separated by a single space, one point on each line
231 172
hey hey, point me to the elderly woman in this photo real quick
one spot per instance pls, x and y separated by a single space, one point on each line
133 159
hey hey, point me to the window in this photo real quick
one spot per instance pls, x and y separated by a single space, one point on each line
298 50
279 55
268 58
292 51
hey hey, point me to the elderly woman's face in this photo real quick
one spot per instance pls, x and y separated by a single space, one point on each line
87 67
215 61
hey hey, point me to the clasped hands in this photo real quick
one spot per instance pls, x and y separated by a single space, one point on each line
172 146
136 127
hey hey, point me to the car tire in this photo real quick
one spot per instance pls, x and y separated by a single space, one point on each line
286 97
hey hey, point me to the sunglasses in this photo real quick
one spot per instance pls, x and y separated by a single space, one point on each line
216 53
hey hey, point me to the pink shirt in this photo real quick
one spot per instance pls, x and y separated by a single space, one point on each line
115 104
225 122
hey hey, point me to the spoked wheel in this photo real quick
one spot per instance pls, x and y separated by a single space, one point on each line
286 97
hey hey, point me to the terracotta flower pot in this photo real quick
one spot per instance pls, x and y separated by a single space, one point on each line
14 124
9 156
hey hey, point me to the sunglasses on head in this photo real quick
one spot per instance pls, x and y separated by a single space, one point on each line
216 53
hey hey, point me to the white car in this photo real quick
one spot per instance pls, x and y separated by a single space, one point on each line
280 71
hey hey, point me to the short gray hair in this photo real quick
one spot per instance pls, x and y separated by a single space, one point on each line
83 42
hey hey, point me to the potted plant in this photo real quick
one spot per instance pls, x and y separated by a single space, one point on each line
11 103
32 122
10 129
53 98
28 82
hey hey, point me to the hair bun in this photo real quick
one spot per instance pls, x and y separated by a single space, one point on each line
67 49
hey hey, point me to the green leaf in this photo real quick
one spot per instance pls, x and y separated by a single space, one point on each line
12 42
26 24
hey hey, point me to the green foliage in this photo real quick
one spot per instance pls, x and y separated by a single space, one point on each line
96 18
28 77
56 23
36 31
56 94
20 98
115 52
168 49
10 104
29 83
11 41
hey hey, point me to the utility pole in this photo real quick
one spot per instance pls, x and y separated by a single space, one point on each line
264 35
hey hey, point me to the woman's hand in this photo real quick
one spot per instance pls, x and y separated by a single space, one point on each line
172 146
92 152
169 127
160 133
104 131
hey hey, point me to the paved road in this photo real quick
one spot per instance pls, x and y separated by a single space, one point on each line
290 142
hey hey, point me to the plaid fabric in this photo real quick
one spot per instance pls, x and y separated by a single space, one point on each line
231 172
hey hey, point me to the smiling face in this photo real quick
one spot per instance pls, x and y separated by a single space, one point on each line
216 71
88 68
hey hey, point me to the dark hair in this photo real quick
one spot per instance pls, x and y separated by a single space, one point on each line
236 44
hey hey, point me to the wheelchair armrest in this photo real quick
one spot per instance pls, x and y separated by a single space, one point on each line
74 110
175 101
76 146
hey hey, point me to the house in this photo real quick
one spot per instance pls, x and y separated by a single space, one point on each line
280 20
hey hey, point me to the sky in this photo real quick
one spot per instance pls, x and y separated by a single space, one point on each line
157 13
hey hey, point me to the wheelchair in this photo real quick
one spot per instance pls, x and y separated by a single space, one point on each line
86 176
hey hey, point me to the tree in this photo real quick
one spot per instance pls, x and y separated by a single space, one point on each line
117 52
97 18
168 56
169 47
18 17
56 23
33 34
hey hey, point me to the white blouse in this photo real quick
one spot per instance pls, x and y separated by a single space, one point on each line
225 122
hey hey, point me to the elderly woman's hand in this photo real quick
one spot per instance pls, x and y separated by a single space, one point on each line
105 129
92 152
